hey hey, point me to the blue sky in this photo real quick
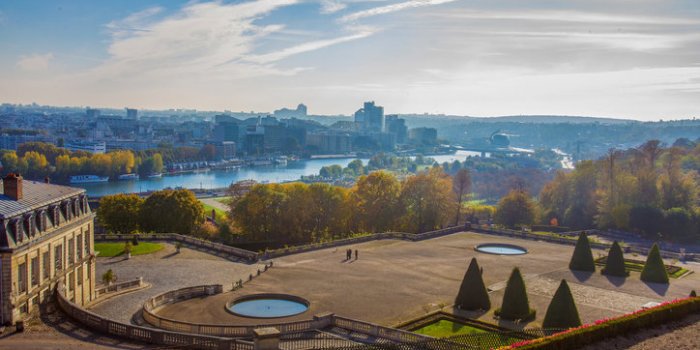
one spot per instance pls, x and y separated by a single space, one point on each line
621 58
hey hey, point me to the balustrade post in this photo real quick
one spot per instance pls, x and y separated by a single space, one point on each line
267 338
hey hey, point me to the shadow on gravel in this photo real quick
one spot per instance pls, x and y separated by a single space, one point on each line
658 288
582 276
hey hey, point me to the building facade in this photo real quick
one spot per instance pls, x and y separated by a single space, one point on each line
46 234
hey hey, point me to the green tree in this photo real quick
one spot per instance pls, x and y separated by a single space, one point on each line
472 293
582 259
108 277
654 268
357 167
615 262
120 213
516 208
516 305
562 312
376 199
177 211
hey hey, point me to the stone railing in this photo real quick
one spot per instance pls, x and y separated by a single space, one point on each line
361 239
144 334
248 331
568 241
119 287
234 252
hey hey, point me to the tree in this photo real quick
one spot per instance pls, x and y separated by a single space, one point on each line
427 200
515 208
582 259
176 211
472 293
515 301
654 268
357 167
376 199
461 185
615 262
120 213
562 312
109 277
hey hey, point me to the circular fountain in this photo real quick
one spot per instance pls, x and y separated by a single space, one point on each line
267 305
500 249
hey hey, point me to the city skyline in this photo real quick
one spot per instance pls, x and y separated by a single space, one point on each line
591 58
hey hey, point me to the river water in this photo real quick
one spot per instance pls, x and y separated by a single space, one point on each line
223 178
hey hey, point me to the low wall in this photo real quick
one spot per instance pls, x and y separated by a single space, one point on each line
118 287
201 243
144 334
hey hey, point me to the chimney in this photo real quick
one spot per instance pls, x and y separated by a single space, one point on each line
12 184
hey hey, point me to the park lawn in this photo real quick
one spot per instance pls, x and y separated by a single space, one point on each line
112 249
221 215
223 200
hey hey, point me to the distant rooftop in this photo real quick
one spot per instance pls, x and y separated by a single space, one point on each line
36 194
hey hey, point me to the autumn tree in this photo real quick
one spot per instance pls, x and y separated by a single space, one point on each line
177 211
427 200
376 199
516 208
461 185
120 213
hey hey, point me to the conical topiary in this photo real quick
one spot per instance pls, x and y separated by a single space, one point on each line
582 260
472 293
693 294
654 269
562 312
515 301
615 262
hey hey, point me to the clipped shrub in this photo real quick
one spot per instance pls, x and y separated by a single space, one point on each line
516 305
582 259
472 293
615 262
562 312
654 269
693 294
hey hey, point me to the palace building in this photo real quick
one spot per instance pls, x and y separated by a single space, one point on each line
46 234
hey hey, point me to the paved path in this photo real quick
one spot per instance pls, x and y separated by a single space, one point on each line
166 270
215 203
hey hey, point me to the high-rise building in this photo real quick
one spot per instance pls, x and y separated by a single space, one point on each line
132 113
370 118
423 136
226 128
92 113
397 126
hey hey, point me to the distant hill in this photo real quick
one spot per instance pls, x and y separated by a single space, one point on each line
539 119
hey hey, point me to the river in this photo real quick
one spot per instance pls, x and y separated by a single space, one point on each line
223 178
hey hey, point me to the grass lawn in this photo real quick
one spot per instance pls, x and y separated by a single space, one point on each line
117 248
445 328
221 215
223 200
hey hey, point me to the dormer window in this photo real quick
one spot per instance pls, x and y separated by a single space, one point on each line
29 227
16 229
55 215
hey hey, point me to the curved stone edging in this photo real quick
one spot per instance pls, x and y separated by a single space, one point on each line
257 296
145 334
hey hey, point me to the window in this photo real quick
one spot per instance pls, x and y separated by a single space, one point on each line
80 275
34 273
71 251
22 278
87 241
58 257
46 260
79 241
71 281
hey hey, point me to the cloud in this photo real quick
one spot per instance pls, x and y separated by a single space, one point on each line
392 8
331 6
35 62
309 46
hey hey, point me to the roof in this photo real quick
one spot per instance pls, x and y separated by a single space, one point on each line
35 195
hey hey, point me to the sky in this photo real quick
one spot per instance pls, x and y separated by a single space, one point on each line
637 59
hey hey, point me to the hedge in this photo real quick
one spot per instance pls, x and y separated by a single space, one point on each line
472 293
516 305
654 269
615 262
612 327
582 259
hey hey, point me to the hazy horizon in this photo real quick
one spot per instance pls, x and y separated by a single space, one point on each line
605 59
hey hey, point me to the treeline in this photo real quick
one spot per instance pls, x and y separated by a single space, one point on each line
650 189
37 160
170 211
379 202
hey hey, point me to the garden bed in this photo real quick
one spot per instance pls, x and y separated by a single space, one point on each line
638 265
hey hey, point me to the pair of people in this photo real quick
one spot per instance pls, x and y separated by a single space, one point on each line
348 254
